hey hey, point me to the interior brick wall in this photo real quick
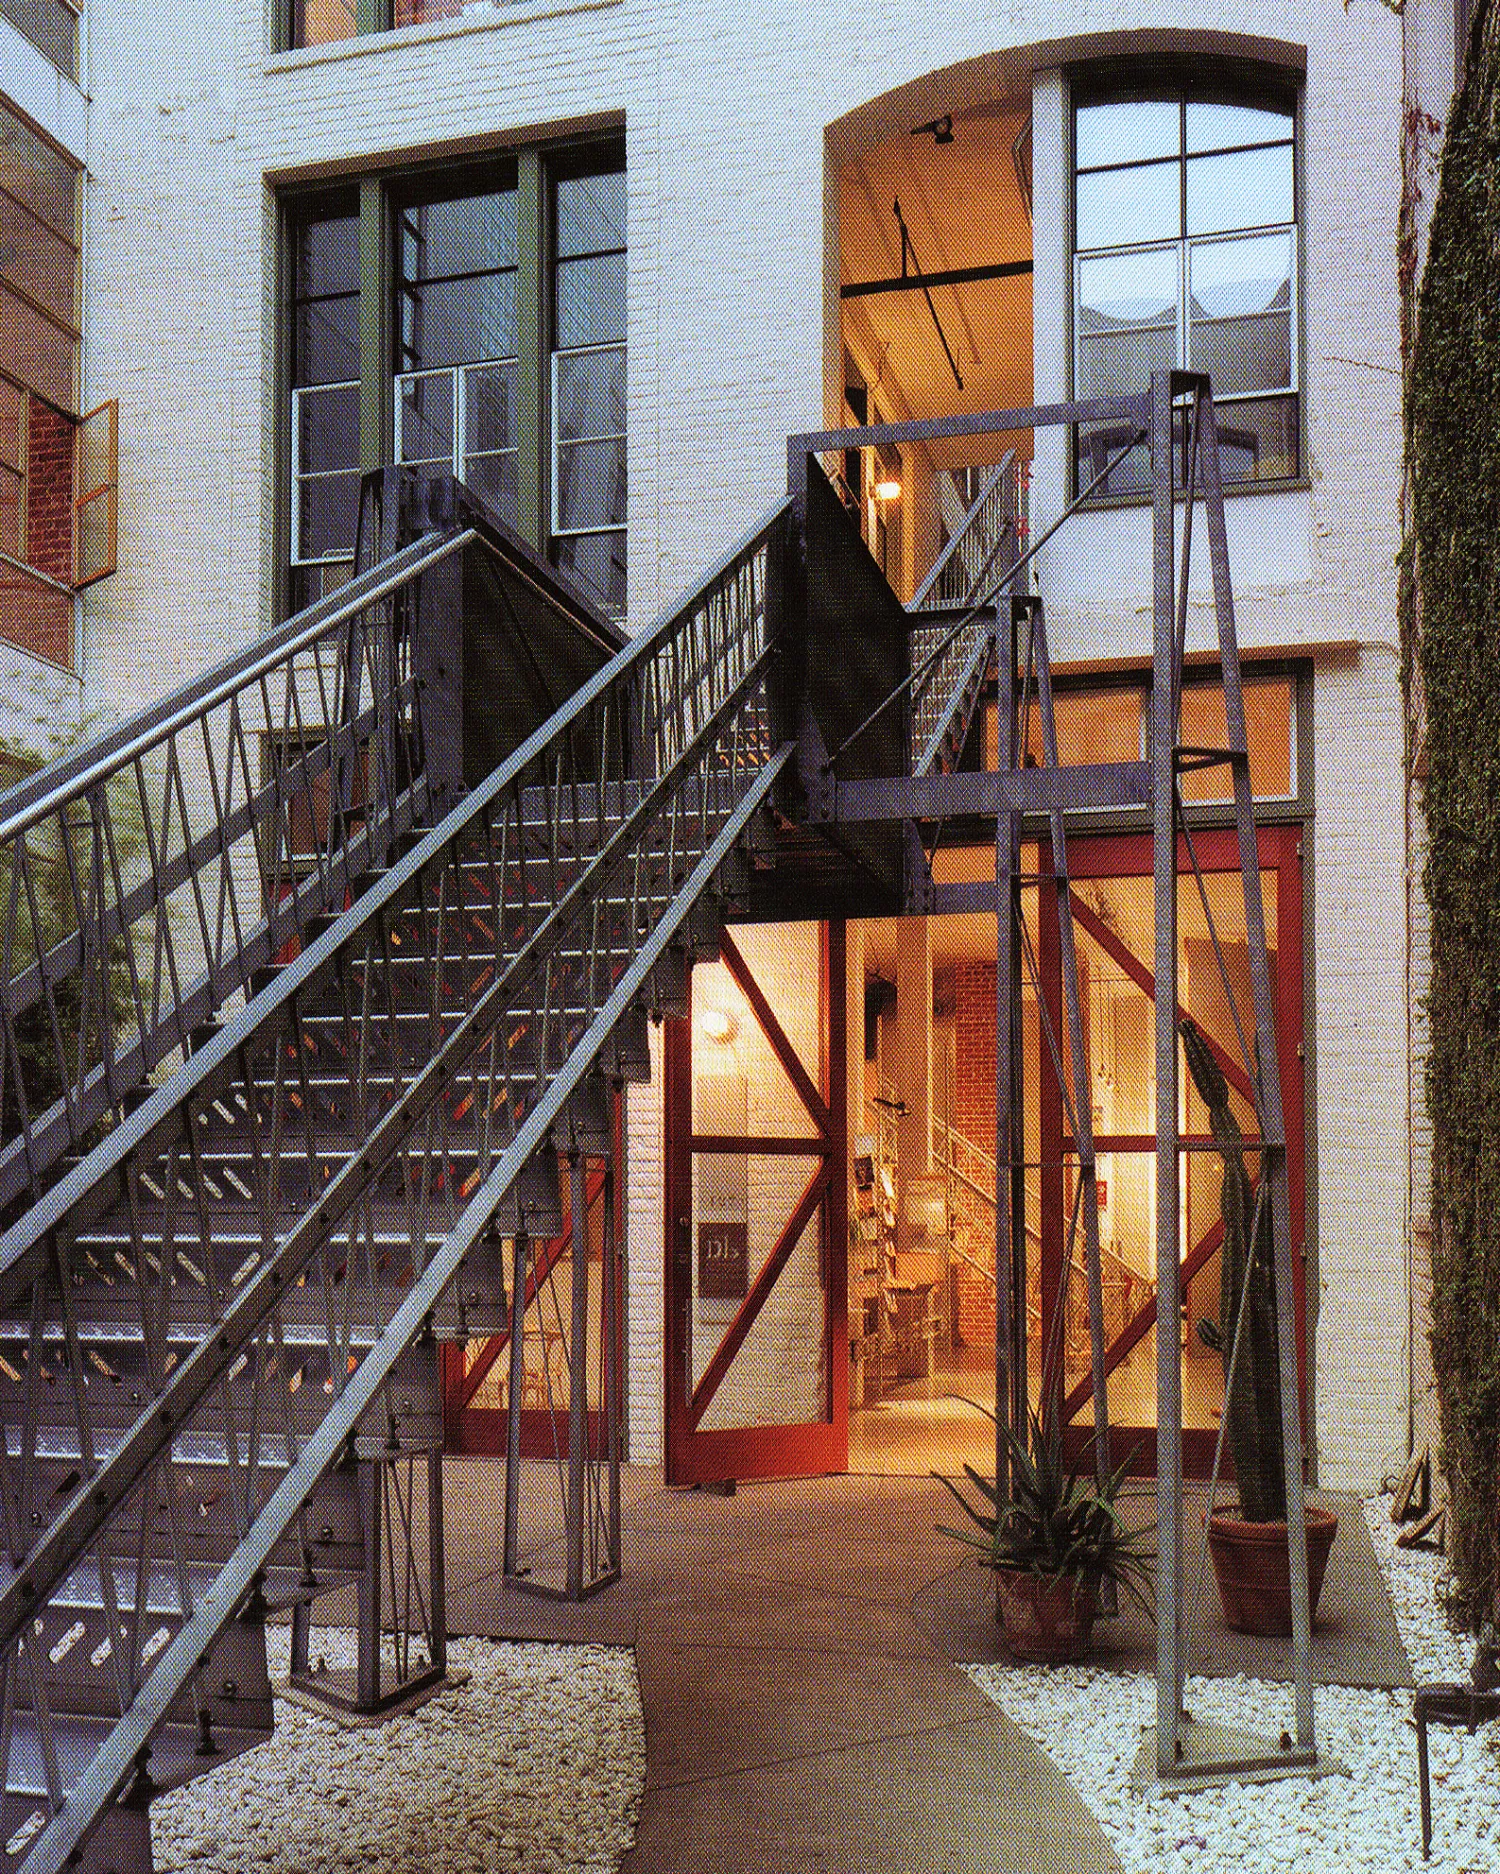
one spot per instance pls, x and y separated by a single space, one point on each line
974 1117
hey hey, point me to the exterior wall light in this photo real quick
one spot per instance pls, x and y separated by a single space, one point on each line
718 1024
888 490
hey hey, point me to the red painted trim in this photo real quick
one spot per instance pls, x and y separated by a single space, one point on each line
695 1454
755 1299
809 1095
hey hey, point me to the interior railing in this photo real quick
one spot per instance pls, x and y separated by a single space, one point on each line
533 918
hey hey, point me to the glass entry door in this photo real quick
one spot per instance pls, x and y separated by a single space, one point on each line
757 1376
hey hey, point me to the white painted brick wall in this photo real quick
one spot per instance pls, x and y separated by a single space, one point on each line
734 119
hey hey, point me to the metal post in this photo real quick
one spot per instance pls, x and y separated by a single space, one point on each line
1010 1252
437 1582
578 1374
612 1357
371 1502
518 1265
1170 1647
1268 1081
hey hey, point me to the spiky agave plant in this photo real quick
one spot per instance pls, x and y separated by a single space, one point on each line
1055 1519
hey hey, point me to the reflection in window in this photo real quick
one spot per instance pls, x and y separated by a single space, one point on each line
588 380
325 397
456 297
1186 255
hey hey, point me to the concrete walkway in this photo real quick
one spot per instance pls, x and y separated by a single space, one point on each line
798 1717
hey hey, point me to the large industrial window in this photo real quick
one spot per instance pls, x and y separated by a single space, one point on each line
325 395
1185 254
588 380
39 292
457 262
498 356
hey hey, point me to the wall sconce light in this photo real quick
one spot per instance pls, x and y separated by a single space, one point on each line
718 1024
940 129
888 489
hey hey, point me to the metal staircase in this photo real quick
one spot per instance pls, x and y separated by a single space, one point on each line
318 986
220 1328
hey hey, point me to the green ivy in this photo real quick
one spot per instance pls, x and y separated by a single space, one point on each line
1452 606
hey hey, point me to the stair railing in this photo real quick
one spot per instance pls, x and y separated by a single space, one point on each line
533 917
146 878
953 666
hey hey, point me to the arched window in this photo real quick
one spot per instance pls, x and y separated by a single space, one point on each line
1185 254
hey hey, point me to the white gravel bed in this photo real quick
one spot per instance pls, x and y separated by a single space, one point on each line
536 1765
1091 1722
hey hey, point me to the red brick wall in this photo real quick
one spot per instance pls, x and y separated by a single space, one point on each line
974 1117
39 620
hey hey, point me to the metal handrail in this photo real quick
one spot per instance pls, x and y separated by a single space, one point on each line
974 522
145 878
23 805
464 1033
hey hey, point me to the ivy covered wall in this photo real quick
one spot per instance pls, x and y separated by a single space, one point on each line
1453 620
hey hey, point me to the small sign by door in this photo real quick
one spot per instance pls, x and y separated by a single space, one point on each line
723 1261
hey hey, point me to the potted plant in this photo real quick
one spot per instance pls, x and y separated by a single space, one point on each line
1249 1543
1051 1539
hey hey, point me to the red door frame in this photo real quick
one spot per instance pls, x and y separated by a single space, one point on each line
695 1454
1129 856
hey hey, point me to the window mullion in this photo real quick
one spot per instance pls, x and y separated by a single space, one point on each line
532 344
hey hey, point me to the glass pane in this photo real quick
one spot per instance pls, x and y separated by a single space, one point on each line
327 513
38 261
469 235
1232 126
493 479
590 394
1258 441
489 390
1268 735
98 450
1117 207
38 176
10 424
10 511
1092 725
425 418
325 342
97 528
458 321
50 26
1246 189
35 351
1128 132
327 256
323 22
1128 290
591 213
591 300
597 563
590 489
1098 443
1233 277
1244 354
35 617
1123 361
327 428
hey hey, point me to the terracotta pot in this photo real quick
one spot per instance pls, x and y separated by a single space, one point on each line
1045 1618
1253 1570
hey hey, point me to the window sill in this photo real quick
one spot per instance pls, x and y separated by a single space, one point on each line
1236 491
479 16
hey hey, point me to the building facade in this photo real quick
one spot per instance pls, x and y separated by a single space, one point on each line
543 243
